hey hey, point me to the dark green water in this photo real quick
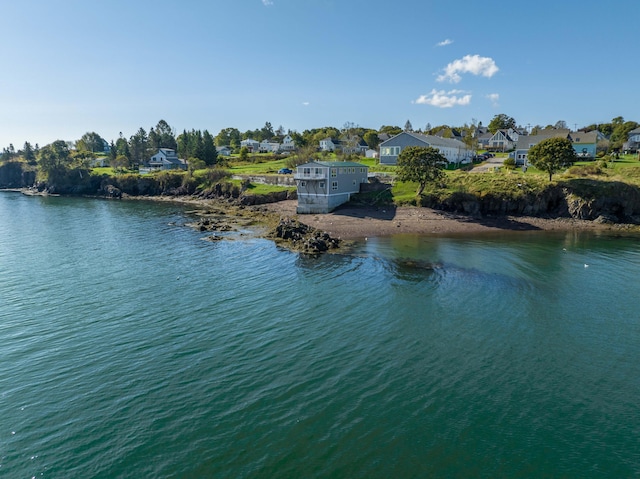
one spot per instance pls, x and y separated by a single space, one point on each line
132 348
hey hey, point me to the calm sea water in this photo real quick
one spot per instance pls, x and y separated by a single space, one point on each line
129 347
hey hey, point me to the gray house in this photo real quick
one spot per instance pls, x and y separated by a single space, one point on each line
454 151
525 143
322 186
633 142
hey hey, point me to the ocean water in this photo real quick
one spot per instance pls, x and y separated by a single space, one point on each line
130 347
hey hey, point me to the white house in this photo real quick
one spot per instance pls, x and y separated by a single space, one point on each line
267 146
503 140
371 153
324 185
329 144
288 144
166 159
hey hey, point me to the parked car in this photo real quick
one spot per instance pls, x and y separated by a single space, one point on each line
285 171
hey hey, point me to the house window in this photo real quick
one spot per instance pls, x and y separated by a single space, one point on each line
318 171
303 183
306 171
334 172
354 182
334 185
390 151
322 184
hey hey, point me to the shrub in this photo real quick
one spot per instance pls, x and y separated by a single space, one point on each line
215 175
510 163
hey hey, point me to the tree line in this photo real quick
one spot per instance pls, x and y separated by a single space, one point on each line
199 146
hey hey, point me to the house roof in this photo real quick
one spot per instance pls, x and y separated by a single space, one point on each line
525 141
430 140
334 164
168 152
585 137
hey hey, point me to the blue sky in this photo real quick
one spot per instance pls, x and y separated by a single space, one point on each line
114 66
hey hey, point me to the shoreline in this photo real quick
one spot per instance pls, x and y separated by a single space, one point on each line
349 222
356 222
359 222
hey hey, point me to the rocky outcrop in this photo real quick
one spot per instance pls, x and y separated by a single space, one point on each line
615 202
301 237
110 191
211 224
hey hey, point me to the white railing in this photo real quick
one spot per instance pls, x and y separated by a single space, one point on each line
309 176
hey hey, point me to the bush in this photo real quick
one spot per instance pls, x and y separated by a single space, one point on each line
510 163
585 170
215 175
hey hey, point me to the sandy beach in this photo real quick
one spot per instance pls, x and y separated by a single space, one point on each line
353 222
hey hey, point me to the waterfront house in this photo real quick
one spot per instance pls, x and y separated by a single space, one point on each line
454 151
526 142
503 140
585 143
322 186
166 159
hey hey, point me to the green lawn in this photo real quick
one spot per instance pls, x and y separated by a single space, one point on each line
502 183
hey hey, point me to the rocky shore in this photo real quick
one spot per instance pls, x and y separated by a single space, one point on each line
315 233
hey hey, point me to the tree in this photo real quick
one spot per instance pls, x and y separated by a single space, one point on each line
560 125
266 133
422 164
90 141
552 155
470 135
228 137
304 154
162 136
54 159
501 122
8 153
120 162
139 147
209 151
372 139
390 130
28 153
122 148
408 126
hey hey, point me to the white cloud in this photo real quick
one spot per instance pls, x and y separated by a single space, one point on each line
444 43
267 3
445 99
474 64
493 97
305 103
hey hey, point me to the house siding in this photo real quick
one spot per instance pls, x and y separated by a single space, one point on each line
453 150
321 187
